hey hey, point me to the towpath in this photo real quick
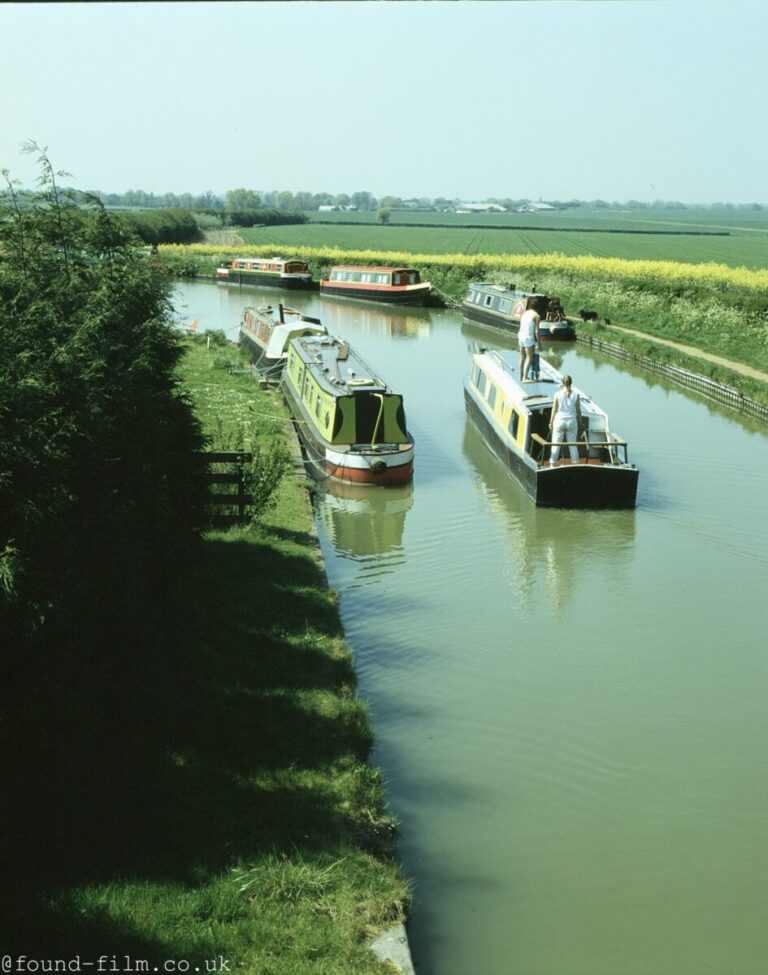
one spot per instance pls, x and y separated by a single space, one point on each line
695 353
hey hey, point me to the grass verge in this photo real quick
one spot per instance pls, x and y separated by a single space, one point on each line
252 830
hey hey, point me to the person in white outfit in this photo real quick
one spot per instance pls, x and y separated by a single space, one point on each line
565 421
529 339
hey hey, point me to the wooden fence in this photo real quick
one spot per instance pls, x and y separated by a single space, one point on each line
233 475
683 377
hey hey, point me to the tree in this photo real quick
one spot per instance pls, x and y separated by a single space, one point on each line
382 215
363 200
100 497
241 199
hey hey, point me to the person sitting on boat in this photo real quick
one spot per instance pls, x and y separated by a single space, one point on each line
529 339
555 310
565 421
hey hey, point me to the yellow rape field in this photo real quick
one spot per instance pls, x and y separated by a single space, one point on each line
654 273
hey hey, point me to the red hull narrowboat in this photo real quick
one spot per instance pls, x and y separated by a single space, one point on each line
395 285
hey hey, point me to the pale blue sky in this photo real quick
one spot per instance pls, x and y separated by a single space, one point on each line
466 98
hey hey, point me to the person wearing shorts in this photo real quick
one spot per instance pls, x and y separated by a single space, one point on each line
528 338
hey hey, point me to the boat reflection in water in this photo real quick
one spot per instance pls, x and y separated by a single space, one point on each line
377 320
547 547
365 524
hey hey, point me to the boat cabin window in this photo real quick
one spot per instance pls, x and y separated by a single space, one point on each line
505 305
492 396
317 407
478 298
471 295
514 423
488 300
413 277
480 382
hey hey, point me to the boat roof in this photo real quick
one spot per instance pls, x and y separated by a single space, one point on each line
337 367
502 289
370 267
503 366
269 260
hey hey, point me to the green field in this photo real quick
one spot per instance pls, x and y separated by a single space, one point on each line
570 232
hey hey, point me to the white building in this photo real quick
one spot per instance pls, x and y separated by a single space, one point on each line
479 208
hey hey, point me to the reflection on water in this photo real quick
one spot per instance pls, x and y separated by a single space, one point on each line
544 546
365 523
375 318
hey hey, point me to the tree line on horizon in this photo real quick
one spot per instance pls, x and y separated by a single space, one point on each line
244 200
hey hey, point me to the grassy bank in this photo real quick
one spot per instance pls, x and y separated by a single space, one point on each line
257 833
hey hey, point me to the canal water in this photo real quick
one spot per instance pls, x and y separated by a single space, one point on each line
570 707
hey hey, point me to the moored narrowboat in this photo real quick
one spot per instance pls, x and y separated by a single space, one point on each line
495 305
265 332
396 285
513 419
351 424
273 272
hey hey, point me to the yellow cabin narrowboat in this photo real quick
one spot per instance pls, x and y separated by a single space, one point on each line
351 424
513 418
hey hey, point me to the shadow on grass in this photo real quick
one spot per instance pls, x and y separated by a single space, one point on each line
230 751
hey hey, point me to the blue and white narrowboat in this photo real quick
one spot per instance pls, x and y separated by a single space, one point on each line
500 307
513 419
351 424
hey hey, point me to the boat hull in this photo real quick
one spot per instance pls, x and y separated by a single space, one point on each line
372 465
415 295
267 279
582 485
486 316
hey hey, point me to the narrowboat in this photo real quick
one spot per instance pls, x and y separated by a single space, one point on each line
273 272
493 304
265 332
513 419
396 285
351 424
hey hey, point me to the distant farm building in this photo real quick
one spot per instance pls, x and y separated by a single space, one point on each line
534 207
479 208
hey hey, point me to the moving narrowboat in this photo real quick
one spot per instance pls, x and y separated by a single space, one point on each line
273 272
493 304
396 285
351 424
265 332
513 419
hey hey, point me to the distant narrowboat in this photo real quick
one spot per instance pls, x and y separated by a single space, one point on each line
513 419
493 304
396 285
273 272
351 424
265 332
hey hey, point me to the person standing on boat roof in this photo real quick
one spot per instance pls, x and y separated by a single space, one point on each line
565 421
529 339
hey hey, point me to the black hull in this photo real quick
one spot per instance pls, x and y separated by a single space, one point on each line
268 281
494 320
368 294
258 356
592 486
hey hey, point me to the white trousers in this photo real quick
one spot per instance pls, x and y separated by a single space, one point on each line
564 428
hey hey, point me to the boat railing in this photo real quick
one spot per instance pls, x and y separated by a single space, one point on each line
615 447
